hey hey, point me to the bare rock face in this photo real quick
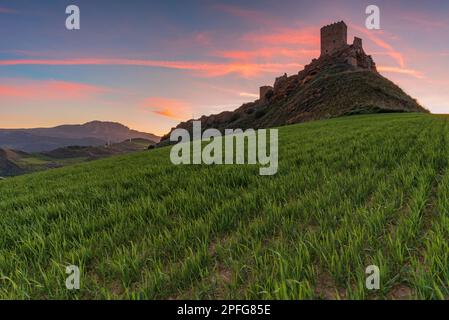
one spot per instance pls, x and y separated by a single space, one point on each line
344 80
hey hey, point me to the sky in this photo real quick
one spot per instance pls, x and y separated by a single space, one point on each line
151 64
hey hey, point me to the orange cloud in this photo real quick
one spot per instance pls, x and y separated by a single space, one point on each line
169 108
202 68
248 95
45 89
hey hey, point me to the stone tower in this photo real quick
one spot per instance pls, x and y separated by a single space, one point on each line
333 37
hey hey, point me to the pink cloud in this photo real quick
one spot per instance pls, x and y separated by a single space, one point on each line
276 51
47 89
286 36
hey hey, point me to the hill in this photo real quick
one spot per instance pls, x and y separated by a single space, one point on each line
338 83
350 192
92 153
95 133
13 163
8 167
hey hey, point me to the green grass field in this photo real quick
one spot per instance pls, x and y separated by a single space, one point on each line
349 192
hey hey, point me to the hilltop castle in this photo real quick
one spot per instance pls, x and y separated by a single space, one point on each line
334 50
343 80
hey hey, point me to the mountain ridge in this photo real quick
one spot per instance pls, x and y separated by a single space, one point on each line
93 133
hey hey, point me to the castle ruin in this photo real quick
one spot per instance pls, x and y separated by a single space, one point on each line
263 91
333 37
334 49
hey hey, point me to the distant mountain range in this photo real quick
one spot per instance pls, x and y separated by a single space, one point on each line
13 162
95 133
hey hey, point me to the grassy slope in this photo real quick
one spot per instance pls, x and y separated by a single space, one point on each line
349 192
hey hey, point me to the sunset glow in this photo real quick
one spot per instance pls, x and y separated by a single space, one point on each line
149 67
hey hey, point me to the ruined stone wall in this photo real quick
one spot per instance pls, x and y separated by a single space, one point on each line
263 91
357 43
333 37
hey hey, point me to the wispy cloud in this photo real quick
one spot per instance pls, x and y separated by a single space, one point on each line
202 68
169 108
248 95
46 89
423 20
285 36
279 50
410 72
268 53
